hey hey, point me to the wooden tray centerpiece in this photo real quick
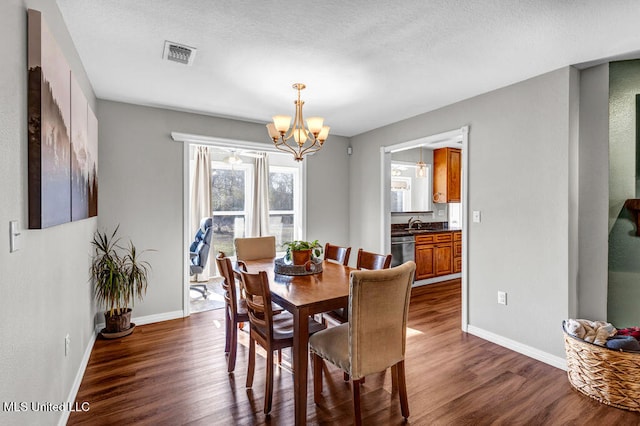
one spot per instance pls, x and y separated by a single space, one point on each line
280 266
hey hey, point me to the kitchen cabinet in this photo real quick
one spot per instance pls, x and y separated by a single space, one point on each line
457 252
447 170
433 255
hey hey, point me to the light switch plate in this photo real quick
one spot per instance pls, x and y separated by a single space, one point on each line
13 236
476 216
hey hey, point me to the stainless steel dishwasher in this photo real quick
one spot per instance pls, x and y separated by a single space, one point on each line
402 249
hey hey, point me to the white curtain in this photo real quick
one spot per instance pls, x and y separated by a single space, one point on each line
201 202
260 217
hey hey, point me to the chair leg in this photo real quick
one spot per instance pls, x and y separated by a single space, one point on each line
394 378
345 377
402 385
268 385
279 356
317 377
251 365
227 329
355 386
233 342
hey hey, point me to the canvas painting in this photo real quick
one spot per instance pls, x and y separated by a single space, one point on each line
84 153
92 162
49 102
63 136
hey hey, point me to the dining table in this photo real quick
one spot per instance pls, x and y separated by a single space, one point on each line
303 296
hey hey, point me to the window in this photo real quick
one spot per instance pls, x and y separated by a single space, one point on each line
230 195
400 194
284 192
232 192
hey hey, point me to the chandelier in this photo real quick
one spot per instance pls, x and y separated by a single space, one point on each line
305 139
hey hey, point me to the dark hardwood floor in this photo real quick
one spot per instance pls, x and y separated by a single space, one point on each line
174 373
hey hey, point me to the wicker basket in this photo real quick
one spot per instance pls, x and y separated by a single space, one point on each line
609 376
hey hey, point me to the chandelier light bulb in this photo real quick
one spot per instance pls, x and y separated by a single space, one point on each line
282 122
315 125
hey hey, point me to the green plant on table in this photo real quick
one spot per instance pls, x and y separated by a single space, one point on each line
297 245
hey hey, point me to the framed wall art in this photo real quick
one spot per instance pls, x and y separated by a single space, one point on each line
62 132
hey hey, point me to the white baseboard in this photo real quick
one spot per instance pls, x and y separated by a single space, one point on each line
436 280
158 317
148 319
73 393
529 351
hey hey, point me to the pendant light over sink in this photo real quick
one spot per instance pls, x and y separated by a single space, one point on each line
305 139
421 167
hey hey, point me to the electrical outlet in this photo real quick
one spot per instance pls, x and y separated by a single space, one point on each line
502 298
67 342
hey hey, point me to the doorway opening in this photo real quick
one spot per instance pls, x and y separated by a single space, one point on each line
458 138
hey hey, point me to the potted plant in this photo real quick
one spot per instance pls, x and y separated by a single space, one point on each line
300 252
119 277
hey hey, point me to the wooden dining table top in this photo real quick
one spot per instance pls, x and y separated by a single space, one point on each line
330 286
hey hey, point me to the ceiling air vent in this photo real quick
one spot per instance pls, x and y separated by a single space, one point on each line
179 53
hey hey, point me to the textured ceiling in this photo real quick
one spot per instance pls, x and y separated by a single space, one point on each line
365 63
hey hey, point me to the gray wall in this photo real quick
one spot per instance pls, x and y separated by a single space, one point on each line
44 286
594 189
519 178
141 172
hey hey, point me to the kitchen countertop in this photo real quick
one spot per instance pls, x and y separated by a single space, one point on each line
405 232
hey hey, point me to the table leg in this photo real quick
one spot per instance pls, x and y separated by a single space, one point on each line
300 364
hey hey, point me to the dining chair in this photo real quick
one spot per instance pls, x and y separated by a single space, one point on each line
272 333
235 309
337 254
366 260
236 313
378 310
372 261
252 248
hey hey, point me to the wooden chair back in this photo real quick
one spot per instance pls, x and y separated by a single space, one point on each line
258 298
337 253
372 261
229 283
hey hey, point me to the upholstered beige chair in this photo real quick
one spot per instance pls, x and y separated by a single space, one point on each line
366 260
374 338
253 248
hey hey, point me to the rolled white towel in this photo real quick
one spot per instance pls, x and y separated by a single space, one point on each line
575 328
591 331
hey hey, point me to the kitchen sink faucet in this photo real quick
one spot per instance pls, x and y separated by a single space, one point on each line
412 222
